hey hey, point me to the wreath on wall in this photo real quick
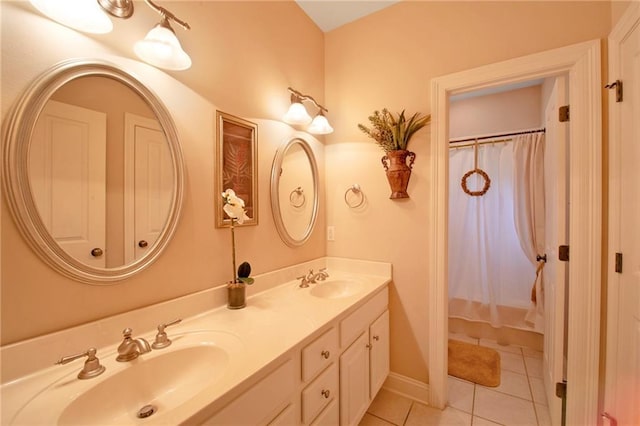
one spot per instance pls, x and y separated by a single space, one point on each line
478 171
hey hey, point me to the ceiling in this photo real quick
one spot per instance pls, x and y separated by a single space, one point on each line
330 14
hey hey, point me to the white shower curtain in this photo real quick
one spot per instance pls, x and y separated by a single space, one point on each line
529 208
489 273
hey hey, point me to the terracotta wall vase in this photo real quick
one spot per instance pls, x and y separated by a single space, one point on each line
398 171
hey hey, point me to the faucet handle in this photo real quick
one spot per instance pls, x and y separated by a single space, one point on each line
304 283
126 333
162 341
92 366
323 274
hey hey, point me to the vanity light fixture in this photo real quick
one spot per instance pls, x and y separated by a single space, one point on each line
159 48
297 114
81 15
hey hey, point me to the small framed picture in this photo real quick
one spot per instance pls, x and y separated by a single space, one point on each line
237 165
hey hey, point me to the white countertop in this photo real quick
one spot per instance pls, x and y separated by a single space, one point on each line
274 321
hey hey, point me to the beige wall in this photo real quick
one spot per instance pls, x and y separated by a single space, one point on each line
387 60
245 55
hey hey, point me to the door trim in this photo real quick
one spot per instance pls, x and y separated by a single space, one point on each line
582 63
620 32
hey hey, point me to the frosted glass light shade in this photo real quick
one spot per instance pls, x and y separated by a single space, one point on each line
320 125
162 49
82 15
297 114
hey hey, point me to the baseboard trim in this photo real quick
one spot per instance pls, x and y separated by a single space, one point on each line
407 387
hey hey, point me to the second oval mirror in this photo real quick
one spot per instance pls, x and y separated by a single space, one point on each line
294 191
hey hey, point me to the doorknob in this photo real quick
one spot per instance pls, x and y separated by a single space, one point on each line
142 244
96 252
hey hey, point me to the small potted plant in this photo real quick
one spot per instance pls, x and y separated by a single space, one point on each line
236 291
392 134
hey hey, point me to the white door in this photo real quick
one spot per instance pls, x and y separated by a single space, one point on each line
67 176
148 184
622 394
556 233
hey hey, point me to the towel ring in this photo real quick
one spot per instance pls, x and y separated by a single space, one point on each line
300 195
355 188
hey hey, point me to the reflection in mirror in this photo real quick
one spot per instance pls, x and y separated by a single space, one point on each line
294 192
100 171
94 173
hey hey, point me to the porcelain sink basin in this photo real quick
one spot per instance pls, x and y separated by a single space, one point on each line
338 288
154 384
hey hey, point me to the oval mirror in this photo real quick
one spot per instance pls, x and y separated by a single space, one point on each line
93 171
294 191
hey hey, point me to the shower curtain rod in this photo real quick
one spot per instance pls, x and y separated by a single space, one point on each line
500 135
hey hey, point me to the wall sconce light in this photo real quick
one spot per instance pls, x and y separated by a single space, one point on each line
297 114
81 15
159 48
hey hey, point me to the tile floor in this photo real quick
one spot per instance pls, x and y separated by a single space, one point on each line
518 401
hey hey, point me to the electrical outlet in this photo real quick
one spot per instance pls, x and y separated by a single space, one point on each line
331 233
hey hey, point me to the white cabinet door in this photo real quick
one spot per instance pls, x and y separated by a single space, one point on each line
354 381
379 340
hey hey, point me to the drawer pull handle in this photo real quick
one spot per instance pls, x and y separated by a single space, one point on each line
326 393
369 346
376 338
325 354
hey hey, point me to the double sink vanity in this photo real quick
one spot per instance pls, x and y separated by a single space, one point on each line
295 355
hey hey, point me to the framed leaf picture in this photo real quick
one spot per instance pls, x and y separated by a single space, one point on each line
237 165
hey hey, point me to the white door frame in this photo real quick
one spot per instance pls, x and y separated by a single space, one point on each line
582 64
621 31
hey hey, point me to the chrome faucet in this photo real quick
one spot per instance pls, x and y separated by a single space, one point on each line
321 275
311 278
130 348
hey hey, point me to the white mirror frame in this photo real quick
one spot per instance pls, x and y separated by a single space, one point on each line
286 237
17 131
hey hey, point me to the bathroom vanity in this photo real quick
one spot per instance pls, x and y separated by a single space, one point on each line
315 355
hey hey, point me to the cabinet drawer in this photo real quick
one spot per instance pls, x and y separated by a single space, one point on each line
354 324
319 393
330 416
317 355
286 418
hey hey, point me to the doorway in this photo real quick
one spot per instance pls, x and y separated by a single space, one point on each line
506 284
582 63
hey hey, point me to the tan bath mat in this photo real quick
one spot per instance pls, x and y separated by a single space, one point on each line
474 363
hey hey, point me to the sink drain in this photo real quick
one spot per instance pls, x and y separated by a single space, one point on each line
146 411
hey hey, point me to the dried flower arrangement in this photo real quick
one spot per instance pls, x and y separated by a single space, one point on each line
393 133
